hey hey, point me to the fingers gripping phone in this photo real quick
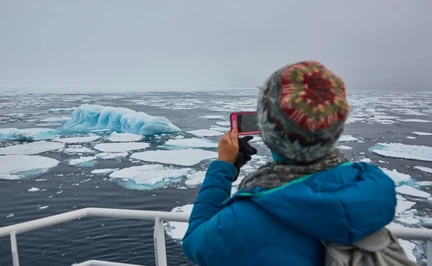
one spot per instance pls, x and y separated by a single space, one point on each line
246 123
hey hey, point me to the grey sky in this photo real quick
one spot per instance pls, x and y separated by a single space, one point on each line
156 44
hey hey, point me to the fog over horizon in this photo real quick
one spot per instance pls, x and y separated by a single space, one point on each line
113 46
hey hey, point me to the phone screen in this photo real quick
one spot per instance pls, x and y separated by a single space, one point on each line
246 123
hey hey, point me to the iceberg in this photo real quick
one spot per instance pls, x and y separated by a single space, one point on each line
27 134
97 117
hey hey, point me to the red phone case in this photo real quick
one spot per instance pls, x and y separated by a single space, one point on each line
234 124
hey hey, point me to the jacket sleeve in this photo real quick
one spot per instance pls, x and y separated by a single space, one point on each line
204 234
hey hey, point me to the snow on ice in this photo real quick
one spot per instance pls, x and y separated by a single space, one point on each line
78 139
403 151
190 143
12 166
147 177
178 157
424 169
89 117
124 137
121 147
177 230
205 133
31 148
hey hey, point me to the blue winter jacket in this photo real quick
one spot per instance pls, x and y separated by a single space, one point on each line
283 226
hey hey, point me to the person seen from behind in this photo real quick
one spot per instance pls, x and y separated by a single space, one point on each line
308 193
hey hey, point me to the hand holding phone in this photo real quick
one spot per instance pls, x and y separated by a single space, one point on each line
246 123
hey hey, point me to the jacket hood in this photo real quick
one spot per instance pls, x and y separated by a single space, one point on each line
340 205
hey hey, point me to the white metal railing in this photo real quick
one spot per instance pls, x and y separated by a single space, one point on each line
159 233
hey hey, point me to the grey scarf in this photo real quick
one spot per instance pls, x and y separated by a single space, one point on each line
273 175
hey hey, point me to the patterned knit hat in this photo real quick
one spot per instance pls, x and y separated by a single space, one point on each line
302 109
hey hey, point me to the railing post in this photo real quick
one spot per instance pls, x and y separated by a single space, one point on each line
429 252
159 243
14 248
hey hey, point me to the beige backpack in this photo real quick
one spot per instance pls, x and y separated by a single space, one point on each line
378 249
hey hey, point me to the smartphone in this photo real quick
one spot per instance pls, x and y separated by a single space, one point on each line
246 123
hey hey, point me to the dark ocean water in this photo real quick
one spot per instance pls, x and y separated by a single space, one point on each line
131 241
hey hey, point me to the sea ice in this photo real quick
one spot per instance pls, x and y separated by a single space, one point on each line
56 119
179 157
90 117
403 151
121 147
415 120
403 204
410 137
343 147
410 191
148 177
111 155
195 179
76 149
205 133
398 178
212 117
224 123
12 166
220 129
190 143
78 139
61 110
347 138
422 133
177 230
27 134
124 137
104 171
34 189
82 161
31 148
408 247
424 169
43 207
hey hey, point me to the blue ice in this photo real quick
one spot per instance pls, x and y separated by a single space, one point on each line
96 117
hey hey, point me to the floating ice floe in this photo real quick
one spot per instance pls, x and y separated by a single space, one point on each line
56 119
86 161
347 138
415 120
104 171
77 149
27 134
212 117
408 247
403 204
178 157
124 137
43 207
195 179
190 143
61 110
111 155
223 123
398 178
410 191
410 137
12 166
147 177
121 147
205 133
78 139
34 189
49 124
422 133
10 215
31 148
424 169
177 230
220 129
91 117
403 151
343 147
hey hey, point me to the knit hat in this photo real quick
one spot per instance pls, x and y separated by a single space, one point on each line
302 109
